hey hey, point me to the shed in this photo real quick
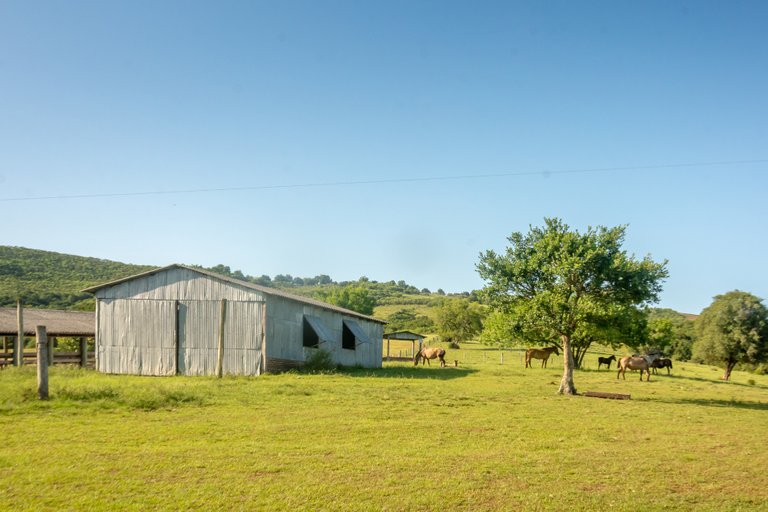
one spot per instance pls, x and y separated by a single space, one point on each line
405 336
183 320
57 322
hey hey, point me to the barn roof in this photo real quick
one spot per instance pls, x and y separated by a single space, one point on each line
239 282
56 322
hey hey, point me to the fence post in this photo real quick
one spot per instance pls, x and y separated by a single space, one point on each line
42 362
83 352
51 346
502 358
19 355
220 358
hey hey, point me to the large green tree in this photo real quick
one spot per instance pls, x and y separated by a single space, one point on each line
731 330
355 298
459 320
561 283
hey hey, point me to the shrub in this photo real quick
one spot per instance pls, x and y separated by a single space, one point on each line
319 362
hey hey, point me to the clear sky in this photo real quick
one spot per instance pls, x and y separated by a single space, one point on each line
391 139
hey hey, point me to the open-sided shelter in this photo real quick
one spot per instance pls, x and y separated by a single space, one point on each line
184 320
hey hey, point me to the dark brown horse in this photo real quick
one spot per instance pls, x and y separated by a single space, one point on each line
605 361
662 362
634 363
539 353
425 354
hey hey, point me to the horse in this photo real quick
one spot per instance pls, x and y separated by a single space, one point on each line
662 363
539 353
634 363
605 360
425 354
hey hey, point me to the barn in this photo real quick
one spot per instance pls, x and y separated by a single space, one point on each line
179 320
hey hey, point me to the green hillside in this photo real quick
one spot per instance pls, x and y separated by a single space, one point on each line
52 280
44 279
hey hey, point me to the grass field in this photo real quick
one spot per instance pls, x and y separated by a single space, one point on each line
480 436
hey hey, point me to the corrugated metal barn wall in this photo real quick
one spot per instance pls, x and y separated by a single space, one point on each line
285 324
142 322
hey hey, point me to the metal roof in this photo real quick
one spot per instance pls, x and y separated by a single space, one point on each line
263 289
403 335
56 322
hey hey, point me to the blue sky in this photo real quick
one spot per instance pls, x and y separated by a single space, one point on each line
495 100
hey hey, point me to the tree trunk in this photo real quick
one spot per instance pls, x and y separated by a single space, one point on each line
728 368
566 384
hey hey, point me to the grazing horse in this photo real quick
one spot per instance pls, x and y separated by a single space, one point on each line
539 353
662 363
605 360
634 363
425 354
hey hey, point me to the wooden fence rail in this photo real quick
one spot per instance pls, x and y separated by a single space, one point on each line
58 358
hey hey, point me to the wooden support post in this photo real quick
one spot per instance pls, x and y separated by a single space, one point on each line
5 344
42 362
502 358
388 349
264 337
83 352
176 338
220 355
19 359
51 347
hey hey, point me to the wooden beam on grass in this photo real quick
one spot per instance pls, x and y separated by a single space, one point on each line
613 396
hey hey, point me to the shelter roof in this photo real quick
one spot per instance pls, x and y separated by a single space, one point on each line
56 322
239 282
404 335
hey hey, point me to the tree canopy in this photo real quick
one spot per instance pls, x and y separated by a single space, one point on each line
731 330
558 283
459 320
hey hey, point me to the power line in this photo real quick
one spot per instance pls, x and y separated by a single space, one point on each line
383 181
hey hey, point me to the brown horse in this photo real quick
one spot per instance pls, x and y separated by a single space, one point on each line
662 363
605 360
634 363
539 353
427 353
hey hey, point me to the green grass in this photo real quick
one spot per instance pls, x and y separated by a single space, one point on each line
480 436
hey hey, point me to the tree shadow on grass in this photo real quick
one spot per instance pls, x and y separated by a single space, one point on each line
413 372
709 402
712 381
663 375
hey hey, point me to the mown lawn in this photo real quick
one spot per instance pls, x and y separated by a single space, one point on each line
480 436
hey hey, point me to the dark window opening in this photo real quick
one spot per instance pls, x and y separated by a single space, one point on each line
348 340
311 339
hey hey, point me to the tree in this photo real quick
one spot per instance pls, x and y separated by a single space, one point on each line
559 283
733 329
355 298
498 329
408 319
459 320
671 331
